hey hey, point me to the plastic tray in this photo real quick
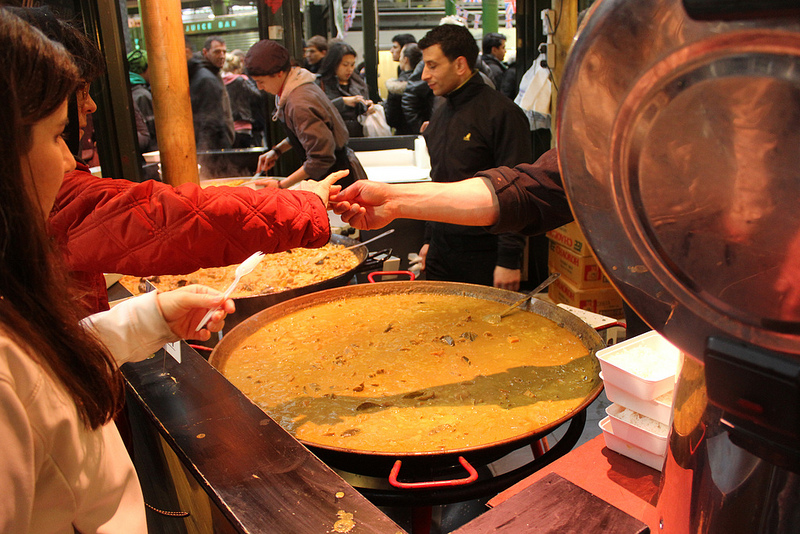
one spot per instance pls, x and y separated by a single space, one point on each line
657 408
647 439
625 448
628 375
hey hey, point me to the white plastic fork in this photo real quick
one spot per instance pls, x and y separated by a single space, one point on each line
242 269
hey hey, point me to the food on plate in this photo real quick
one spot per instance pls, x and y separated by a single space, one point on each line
412 372
276 272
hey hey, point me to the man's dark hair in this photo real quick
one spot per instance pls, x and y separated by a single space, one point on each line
318 42
413 53
455 41
210 39
403 39
492 40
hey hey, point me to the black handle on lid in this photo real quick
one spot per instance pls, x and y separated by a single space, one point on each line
759 394
740 9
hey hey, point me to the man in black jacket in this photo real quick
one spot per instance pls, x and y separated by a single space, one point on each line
475 129
494 51
211 106
410 56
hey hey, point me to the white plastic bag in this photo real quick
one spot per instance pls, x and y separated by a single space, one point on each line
374 123
534 94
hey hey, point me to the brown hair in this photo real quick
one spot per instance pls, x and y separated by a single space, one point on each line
36 310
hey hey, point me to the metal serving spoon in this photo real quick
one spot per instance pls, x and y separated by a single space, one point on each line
319 258
496 318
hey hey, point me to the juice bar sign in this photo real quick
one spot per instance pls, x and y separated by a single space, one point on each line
221 24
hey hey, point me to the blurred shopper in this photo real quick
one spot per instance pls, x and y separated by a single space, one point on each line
417 100
494 52
245 100
314 126
509 86
139 76
476 129
63 465
398 42
211 106
344 87
313 52
410 56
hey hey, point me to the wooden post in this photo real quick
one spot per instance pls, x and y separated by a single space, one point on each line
169 80
567 26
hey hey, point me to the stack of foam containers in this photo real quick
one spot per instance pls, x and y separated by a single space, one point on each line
639 378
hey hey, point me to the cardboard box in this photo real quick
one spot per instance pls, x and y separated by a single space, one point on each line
571 237
583 271
605 300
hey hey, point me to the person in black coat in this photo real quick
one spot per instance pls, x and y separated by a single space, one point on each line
211 105
347 90
494 51
410 56
417 100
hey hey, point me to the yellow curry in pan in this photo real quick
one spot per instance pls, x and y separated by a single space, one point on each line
406 373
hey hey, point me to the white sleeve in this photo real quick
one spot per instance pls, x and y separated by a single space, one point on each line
133 329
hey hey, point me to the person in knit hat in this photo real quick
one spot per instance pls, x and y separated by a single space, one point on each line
315 129
139 76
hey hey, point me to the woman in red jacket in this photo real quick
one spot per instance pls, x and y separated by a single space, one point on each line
115 226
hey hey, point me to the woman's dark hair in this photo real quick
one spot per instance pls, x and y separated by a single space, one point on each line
413 53
85 54
455 41
329 64
36 309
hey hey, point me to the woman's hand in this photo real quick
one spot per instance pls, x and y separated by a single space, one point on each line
324 188
183 309
353 101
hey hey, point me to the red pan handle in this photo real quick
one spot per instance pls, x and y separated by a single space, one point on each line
473 476
371 276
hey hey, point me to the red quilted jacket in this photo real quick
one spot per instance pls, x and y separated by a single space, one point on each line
150 228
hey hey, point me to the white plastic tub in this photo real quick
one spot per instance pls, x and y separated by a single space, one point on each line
638 429
644 366
625 448
659 408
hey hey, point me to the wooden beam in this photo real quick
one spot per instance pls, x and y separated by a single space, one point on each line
169 78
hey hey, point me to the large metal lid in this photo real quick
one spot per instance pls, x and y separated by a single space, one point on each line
679 144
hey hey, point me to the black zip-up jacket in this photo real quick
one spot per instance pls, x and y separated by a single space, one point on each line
476 129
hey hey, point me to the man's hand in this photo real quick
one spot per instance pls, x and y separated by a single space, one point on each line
423 253
364 205
268 182
507 278
324 188
184 308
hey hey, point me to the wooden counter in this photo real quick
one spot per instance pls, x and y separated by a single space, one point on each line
257 478
615 479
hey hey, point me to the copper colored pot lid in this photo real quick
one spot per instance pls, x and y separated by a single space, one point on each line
679 145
